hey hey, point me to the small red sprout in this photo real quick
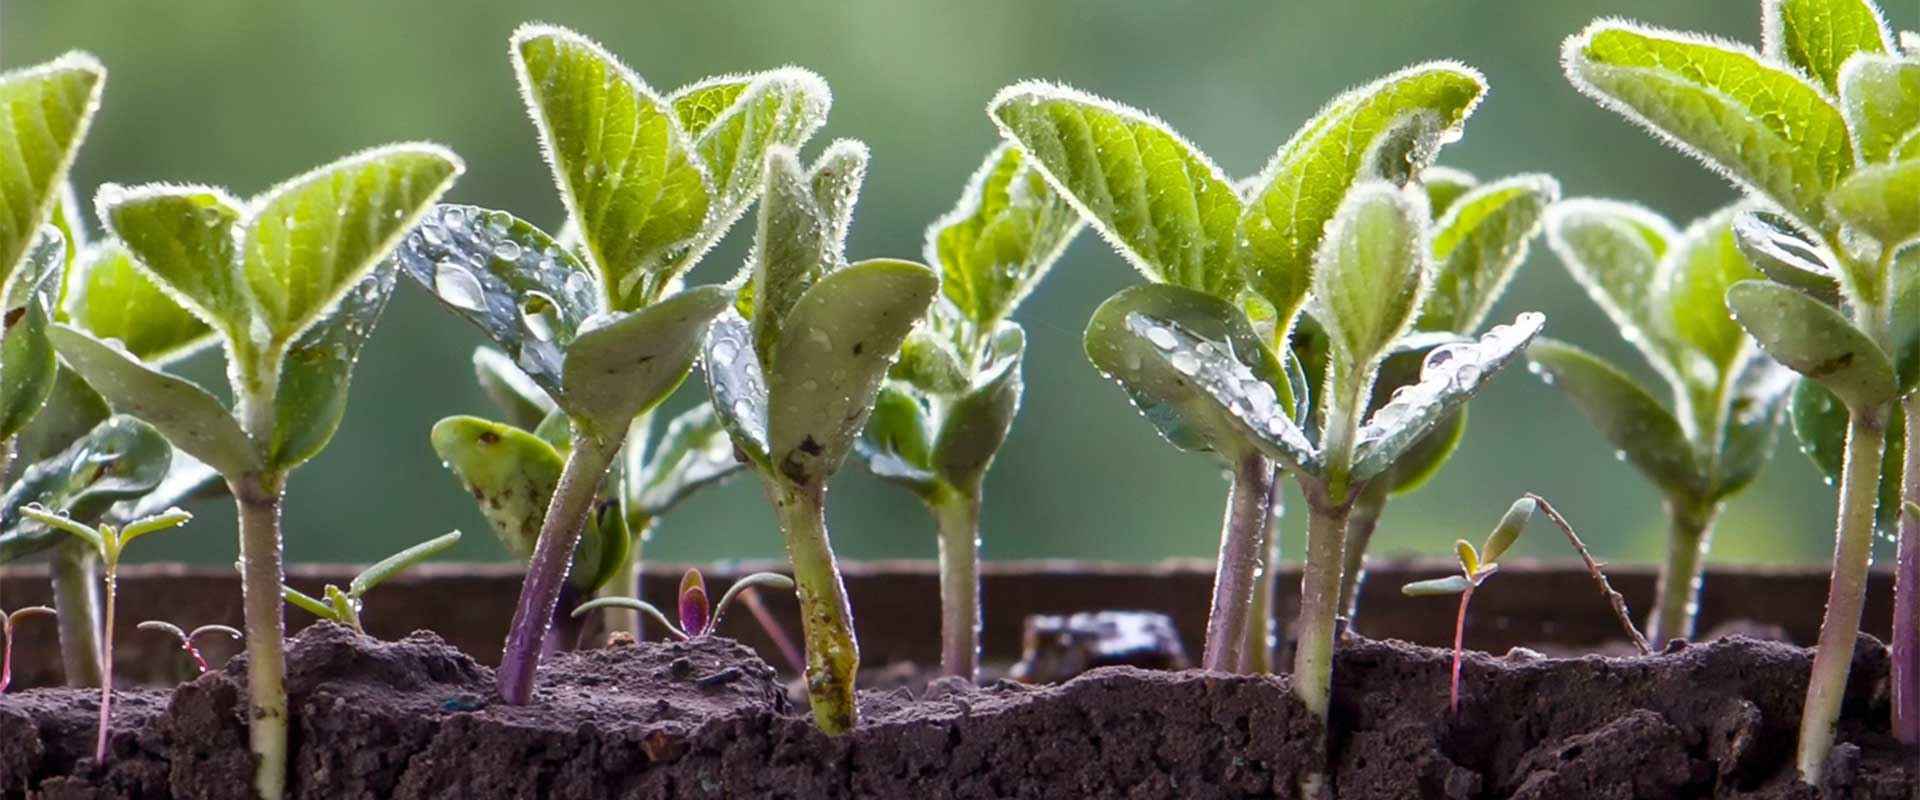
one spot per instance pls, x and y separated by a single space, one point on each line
187 639
697 618
7 623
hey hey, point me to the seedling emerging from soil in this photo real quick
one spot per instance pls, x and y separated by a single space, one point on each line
651 183
189 640
1818 125
293 283
108 542
1665 290
9 621
793 370
698 618
953 395
343 606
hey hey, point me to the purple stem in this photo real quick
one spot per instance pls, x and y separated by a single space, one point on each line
547 572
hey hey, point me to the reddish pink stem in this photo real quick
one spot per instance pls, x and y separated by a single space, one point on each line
6 654
106 672
195 652
1459 633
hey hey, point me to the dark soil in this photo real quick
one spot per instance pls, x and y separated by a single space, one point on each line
416 719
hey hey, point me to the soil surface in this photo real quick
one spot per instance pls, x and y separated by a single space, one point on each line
708 719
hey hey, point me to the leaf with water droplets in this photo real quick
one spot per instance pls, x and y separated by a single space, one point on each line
112 299
118 459
1752 423
1814 340
693 453
27 362
1818 36
1389 129
1193 364
626 169
48 109
1371 271
515 394
839 340
1452 374
187 415
622 367
897 443
929 363
1007 231
1692 289
1615 251
1880 97
1478 243
1820 425
528 294
802 234
1773 245
733 120
310 241
318 369
511 473
1882 200
1400 368
737 385
1645 432
977 422
1760 124
1161 202
185 238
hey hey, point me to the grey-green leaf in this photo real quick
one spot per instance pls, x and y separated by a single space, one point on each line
400 562
977 422
1452 374
186 238
1614 250
1880 97
929 363
1759 394
1628 416
511 473
118 459
1818 36
318 368
1814 340
737 384
802 233
1883 200
72 409
1704 262
694 452
46 111
1372 270
1773 245
1008 229
617 369
1478 243
187 415
1450 585
897 444
112 299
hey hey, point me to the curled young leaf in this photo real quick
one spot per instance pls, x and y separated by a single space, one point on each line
318 368
929 363
897 444
737 384
27 362
802 235
605 546
1903 330
1478 243
48 109
511 473
1646 433
693 452
1771 242
515 394
1003 236
1371 272
626 365
1818 36
1814 340
187 415
732 120
977 422
1451 375
1882 200
1880 97
696 614
112 299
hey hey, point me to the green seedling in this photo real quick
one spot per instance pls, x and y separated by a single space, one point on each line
189 639
794 371
650 183
108 542
1664 289
698 618
342 606
9 621
950 401
1476 565
292 283
1817 124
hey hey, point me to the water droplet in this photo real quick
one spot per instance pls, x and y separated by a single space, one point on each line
1184 361
541 316
455 218
506 251
458 286
1161 337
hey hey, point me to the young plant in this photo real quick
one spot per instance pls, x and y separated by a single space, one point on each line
794 371
108 542
293 283
650 183
952 397
189 639
1665 290
9 621
698 619
1818 125
343 606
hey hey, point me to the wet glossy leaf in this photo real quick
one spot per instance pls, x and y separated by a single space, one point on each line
1162 203
1645 432
1880 97
737 384
897 444
1758 399
309 242
841 337
733 120
929 363
511 474
694 452
1614 250
1419 463
1452 374
617 369
1371 271
1704 262
1883 200
47 109
118 459
527 293
190 418
515 394
27 363
1757 123
1008 229
318 368
626 169
1818 36
1445 185
1814 340
977 422
802 234
186 238
397 563
1478 243
1773 245
112 299
1391 128
1820 425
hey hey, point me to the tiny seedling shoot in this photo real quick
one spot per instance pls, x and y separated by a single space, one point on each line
108 542
9 620
697 618
189 640
343 606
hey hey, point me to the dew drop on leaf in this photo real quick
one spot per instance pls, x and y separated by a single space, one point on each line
539 313
458 286
506 251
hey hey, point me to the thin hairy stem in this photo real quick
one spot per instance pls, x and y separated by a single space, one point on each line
958 516
1241 534
1256 656
1906 591
261 575
1677 603
1319 598
73 568
1459 636
833 655
106 666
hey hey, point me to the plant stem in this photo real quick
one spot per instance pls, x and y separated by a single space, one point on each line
1906 591
626 583
566 516
1846 593
1319 597
6 652
1459 636
1256 656
833 655
1614 599
1241 532
1678 600
258 497
72 570
1360 528
106 668
958 516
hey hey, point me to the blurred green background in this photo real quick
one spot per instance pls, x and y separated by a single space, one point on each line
243 94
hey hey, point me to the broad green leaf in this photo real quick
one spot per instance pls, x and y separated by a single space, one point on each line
1818 36
1820 425
897 443
528 294
929 363
1759 394
1194 366
1883 200
1451 375
843 334
737 385
734 119
1446 185
1761 125
44 114
112 299
1372 270
397 563
1001 239
977 423
318 368
187 478
1904 330
311 240
1692 289
186 238
1773 245
191 419
1478 243
1644 431
1614 250
72 409
1391 128
1159 200
118 459
628 364
1814 340
1880 97
693 452
515 394
802 233
27 362
511 474
626 170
